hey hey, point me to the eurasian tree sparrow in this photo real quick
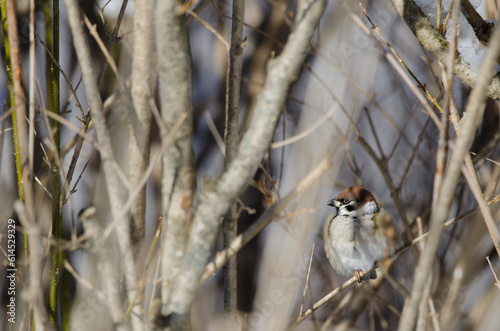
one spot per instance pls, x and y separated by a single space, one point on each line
359 235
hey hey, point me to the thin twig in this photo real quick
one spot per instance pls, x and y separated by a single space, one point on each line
35 287
81 279
440 210
153 163
497 282
31 91
102 249
214 132
402 133
66 78
49 194
93 32
273 212
395 192
306 132
217 35
421 86
113 38
485 210
414 152
413 88
150 264
73 190
365 94
322 301
306 286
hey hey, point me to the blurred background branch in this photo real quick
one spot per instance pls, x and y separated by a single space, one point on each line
178 120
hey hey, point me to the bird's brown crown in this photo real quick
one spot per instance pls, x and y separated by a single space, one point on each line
356 193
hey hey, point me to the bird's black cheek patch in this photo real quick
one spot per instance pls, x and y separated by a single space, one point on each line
350 208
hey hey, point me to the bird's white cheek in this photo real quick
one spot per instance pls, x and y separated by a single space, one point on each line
369 208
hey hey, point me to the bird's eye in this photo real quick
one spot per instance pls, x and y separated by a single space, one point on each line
346 201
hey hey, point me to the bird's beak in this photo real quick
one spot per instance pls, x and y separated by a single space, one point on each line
334 203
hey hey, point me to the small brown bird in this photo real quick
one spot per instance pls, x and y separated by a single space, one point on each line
359 235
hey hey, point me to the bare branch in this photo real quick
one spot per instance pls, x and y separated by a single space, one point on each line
232 138
471 179
282 72
103 250
440 210
111 177
174 62
271 214
482 29
35 289
435 43
142 88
